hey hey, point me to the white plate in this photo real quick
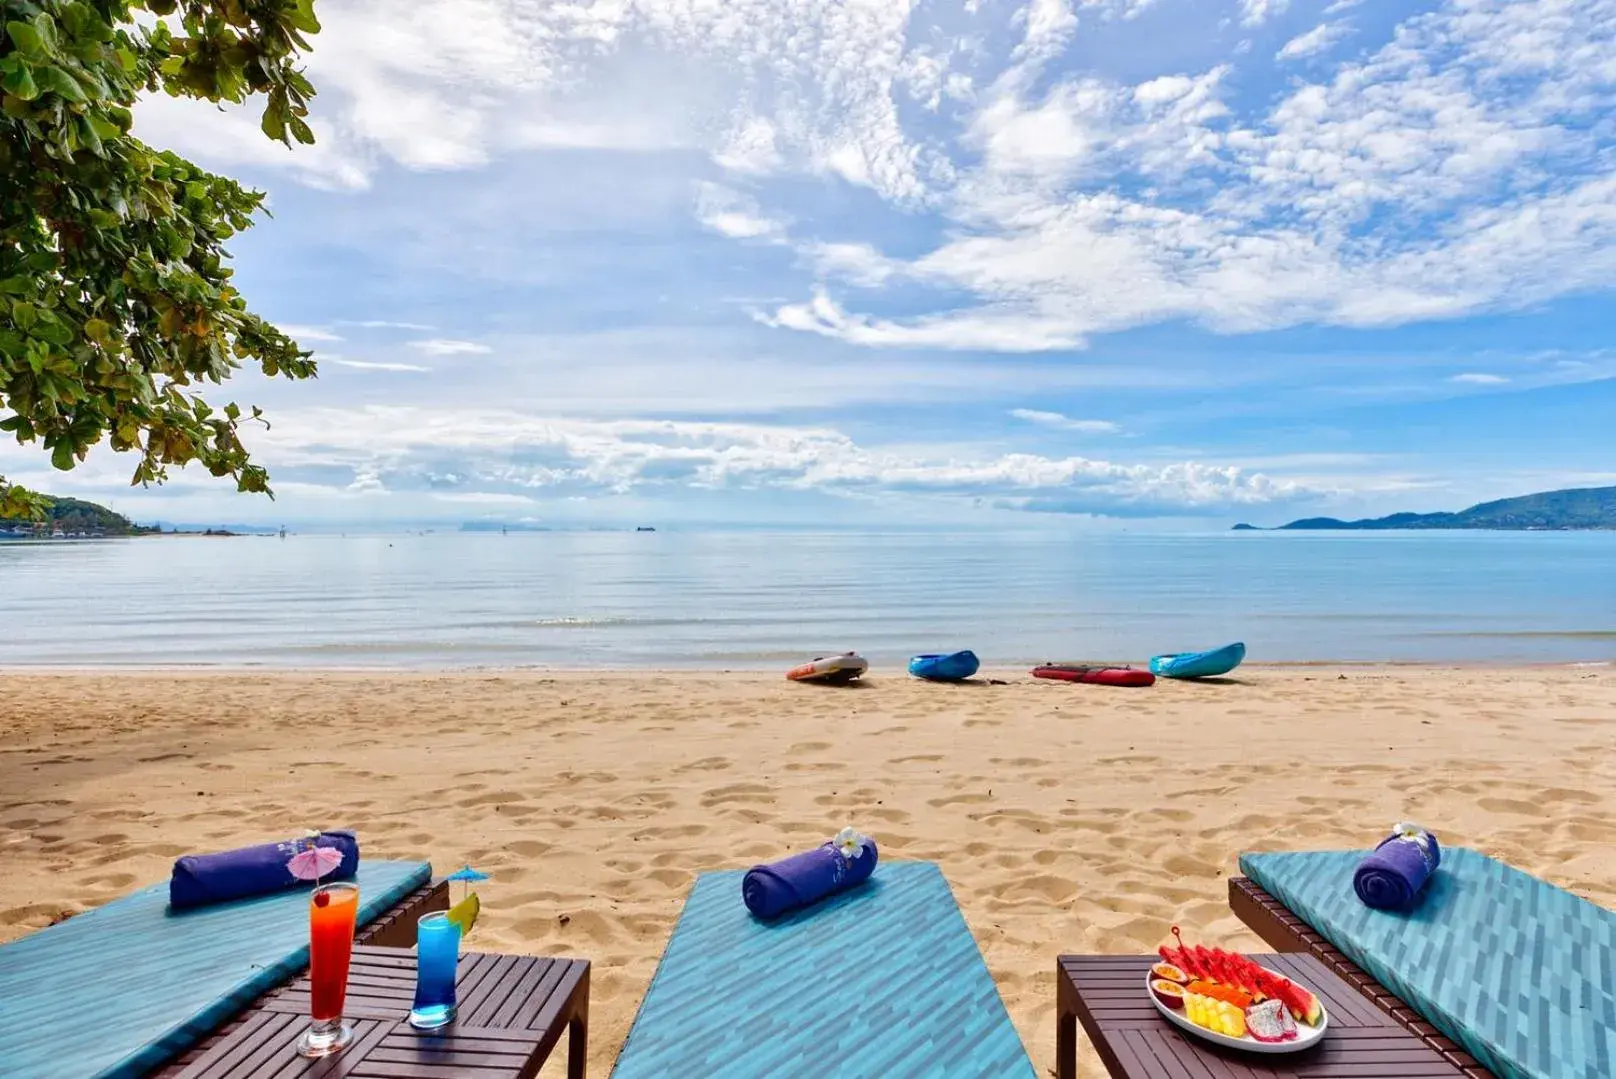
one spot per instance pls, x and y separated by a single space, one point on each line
1306 1036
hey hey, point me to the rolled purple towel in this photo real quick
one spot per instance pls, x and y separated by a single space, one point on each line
804 879
199 879
1394 875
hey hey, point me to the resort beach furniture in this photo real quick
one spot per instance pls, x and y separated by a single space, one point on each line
1507 974
1106 994
513 1010
883 981
127 987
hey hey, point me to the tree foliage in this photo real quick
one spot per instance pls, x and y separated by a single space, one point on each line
116 299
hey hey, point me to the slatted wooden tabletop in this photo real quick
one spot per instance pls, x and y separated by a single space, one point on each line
512 1012
1106 994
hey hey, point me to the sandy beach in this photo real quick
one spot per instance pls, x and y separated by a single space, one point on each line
1066 818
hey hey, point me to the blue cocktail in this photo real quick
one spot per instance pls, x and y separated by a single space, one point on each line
437 954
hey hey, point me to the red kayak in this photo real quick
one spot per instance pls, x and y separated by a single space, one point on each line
1100 676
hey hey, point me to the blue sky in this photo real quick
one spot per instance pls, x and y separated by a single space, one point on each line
974 261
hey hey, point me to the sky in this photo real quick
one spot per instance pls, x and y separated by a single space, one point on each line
896 262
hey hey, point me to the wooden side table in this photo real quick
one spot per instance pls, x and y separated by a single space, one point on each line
1106 994
513 1010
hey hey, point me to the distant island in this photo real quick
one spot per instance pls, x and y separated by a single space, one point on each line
1576 509
73 518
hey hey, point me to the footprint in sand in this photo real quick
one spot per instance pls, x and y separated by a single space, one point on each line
1511 805
1045 886
706 764
739 792
958 799
809 747
671 831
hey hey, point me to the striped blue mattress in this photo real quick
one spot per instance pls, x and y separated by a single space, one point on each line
126 987
882 982
1519 972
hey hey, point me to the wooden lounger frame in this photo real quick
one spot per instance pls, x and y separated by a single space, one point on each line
1285 932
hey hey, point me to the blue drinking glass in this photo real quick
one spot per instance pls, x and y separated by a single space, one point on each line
437 954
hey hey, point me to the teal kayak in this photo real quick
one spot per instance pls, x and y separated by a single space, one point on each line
1199 664
952 667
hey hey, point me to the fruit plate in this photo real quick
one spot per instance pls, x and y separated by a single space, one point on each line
1306 1036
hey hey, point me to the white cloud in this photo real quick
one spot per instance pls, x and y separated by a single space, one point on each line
492 452
366 365
1481 130
382 324
453 84
307 333
1479 379
734 214
1049 25
1257 12
751 148
440 346
1065 423
1321 38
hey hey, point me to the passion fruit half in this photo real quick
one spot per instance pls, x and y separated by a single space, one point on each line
1170 973
1171 994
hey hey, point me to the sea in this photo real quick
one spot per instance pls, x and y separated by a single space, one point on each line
737 600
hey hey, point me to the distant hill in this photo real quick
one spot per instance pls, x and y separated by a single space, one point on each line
72 516
1577 508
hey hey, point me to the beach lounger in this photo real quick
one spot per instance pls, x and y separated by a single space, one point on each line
1510 974
123 989
880 982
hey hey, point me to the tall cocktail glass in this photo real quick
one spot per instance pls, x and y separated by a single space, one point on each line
333 909
437 955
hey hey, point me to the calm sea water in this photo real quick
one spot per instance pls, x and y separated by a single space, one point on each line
738 600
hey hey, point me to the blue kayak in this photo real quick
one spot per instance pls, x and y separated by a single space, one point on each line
1199 664
953 667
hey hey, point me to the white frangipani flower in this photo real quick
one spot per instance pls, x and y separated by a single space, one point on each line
850 842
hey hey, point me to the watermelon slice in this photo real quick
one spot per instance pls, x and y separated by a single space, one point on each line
1241 972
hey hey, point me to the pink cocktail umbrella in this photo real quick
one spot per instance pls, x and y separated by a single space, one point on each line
312 863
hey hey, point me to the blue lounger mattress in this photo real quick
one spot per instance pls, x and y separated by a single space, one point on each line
1519 972
880 982
127 987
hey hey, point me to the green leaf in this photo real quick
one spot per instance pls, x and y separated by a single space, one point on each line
127 61
62 457
196 191
92 141
98 330
301 132
24 315
104 127
56 81
20 84
274 122
54 332
303 18
26 38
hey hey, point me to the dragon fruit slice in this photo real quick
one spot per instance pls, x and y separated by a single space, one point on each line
1270 1022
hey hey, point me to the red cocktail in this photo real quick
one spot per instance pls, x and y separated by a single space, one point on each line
333 909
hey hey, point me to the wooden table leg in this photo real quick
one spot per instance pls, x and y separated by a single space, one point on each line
578 1033
1065 1026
